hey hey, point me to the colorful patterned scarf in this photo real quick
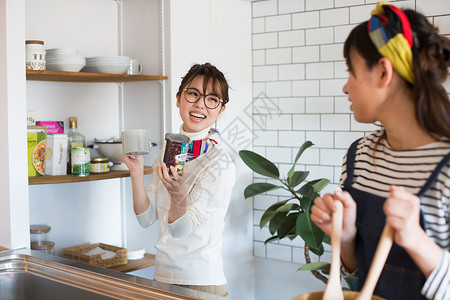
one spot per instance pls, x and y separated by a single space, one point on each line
390 32
198 147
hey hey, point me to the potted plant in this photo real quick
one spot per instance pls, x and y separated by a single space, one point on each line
291 217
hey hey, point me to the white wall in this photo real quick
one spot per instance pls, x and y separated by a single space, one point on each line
298 72
196 38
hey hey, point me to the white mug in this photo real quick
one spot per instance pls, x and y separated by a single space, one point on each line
136 142
135 67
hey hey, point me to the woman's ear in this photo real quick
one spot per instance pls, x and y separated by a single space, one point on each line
221 110
178 99
386 72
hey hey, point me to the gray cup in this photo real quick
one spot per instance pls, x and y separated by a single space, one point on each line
136 142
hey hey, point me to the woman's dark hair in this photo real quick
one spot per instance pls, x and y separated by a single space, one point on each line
431 59
209 73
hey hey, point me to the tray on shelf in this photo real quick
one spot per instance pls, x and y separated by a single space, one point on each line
77 253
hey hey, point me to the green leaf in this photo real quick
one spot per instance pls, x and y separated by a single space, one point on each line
308 231
259 188
271 212
319 184
303 147
315 266
297 178
287 225
307 190
318 251
259 164
273 225
306 203
271 239
293 235
288 207
327 239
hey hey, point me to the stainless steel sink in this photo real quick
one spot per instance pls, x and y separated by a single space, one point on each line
27 274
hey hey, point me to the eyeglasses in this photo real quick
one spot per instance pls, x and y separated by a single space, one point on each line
211 101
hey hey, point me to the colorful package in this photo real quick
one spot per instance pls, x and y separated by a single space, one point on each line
53 127
36 150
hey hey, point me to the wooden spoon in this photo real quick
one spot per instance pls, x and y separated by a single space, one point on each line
381 254
333 291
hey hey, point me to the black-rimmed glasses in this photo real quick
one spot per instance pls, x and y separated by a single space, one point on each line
211 101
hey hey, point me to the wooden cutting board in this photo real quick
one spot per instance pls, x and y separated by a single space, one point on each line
3 248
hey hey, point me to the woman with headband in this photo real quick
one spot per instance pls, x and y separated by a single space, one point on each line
399 174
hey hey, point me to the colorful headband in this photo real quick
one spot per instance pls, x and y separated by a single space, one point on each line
390 32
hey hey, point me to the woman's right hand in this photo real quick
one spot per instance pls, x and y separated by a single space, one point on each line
323 208
134 163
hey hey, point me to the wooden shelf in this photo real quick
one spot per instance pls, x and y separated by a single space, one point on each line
87 77
92 177
147 261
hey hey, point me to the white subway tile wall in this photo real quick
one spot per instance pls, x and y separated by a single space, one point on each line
298 74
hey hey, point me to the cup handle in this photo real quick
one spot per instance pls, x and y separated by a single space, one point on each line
140 69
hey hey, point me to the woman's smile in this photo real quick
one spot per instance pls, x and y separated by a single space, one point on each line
196 116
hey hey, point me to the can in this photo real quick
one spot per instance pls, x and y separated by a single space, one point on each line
175 153
100 165
81 158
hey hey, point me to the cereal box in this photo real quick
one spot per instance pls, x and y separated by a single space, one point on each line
56 154
53 127
36 150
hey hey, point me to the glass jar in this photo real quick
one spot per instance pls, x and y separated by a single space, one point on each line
100 165
44 247
39 233
35 55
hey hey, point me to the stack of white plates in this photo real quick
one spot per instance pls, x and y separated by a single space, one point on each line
64 59
107 64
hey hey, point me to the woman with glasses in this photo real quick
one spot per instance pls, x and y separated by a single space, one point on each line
400 174
190 208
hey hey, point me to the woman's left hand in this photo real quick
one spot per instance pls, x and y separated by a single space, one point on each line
175 184
402 211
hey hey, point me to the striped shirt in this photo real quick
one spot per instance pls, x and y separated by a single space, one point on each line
378 166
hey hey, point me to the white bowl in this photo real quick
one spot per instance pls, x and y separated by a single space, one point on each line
111 150
64 56
67 60
62 51
108 58
106 68
65 66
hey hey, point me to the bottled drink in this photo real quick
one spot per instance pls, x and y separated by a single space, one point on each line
74 139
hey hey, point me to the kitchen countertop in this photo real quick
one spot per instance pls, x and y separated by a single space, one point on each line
24 272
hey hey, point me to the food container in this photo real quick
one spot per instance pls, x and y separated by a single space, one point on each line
39 233
175 153
100 165
35 55
136 142
45 247
56 154
36 150
81 161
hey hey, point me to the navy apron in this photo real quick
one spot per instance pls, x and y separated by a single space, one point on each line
400 279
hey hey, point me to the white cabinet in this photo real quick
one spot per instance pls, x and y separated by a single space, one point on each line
94 211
